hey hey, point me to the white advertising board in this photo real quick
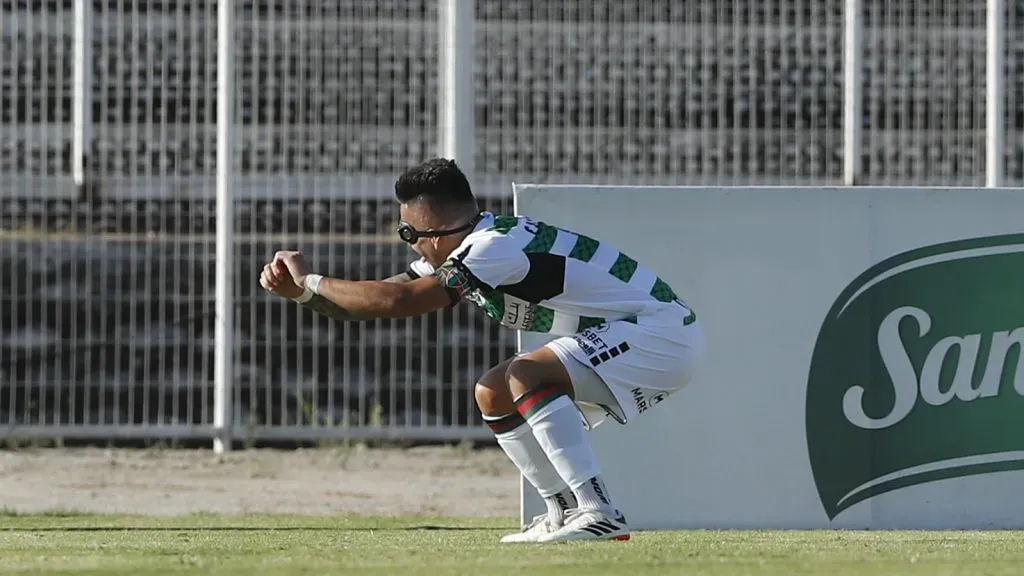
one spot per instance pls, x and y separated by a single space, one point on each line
862 355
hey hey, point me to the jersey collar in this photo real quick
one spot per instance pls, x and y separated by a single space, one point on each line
486 221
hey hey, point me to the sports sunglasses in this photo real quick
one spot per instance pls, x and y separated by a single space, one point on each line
411 235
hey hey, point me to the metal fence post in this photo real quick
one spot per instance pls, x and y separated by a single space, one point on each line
457 54
995 94
224 347
852 91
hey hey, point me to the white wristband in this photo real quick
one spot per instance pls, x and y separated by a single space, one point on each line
312 282
306 296
311 287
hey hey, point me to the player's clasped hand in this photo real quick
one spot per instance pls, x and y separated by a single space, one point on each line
285 274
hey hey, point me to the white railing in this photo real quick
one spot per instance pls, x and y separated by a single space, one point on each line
223 132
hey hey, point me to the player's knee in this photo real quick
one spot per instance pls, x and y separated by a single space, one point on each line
524 374
484 395
492 395
517 373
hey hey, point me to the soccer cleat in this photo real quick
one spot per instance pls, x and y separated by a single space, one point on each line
540 526
590 525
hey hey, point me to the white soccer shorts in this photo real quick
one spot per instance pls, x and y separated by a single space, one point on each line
637 365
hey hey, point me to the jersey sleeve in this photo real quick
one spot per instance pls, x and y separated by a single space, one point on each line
484 263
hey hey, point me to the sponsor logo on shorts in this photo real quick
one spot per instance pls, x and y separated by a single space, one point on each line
590 342
643 403
598 358
593 338
585 346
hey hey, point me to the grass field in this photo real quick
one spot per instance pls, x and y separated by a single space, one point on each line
420 546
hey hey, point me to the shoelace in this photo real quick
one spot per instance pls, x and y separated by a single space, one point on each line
536 520
568 515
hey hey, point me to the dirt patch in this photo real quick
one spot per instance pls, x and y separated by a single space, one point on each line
445 481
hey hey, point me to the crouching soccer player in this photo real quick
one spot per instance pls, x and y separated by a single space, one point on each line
624 340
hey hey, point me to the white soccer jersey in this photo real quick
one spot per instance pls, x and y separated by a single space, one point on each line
534 277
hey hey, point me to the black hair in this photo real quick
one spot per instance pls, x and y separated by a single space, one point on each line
437 181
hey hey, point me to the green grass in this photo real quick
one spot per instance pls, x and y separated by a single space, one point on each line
143 546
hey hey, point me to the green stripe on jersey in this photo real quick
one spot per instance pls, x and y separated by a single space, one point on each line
623 268
543 319
593 322
589 322
493 304
502 224
543 240
584 249
662 292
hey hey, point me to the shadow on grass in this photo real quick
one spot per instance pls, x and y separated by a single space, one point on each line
247 529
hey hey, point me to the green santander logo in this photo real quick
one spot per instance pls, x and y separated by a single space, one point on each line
916 375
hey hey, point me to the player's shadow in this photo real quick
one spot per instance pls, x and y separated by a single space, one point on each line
427 527
452 528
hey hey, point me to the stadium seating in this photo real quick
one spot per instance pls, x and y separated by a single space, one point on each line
689 91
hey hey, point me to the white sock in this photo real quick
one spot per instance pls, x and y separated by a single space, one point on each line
559 431
560 503
521 447
593 495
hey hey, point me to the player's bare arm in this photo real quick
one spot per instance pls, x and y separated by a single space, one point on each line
396 297
366 300
400 278
275 278
321 305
